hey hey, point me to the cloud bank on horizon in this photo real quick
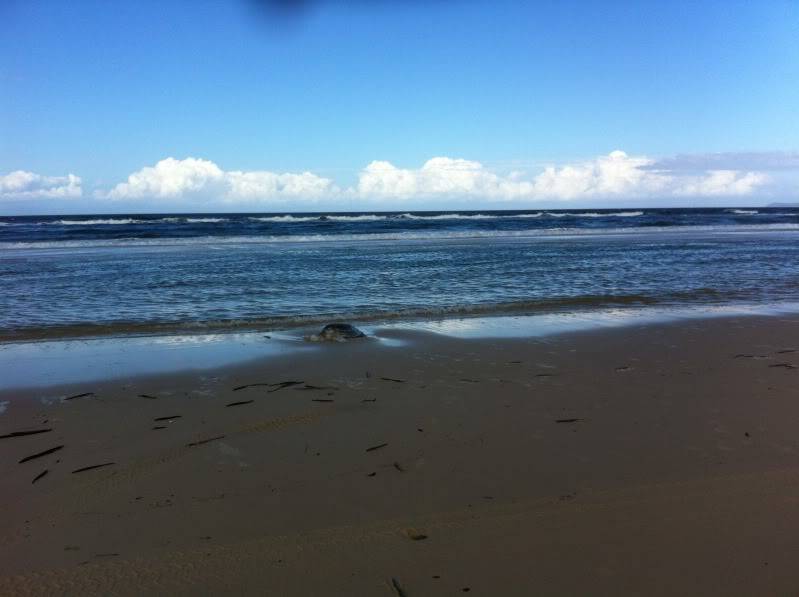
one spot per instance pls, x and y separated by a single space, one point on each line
195 183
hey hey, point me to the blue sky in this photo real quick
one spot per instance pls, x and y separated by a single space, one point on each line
395 104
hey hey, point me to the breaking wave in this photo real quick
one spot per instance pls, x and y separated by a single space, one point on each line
415 235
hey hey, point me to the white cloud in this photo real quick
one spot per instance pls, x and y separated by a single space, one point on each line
439 176
719 183
197 178
169 178
29 185
440 180
262 184
615 175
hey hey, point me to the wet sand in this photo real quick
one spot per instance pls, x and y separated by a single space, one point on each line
659 459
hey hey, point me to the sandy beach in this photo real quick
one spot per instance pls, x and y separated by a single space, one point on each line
656 459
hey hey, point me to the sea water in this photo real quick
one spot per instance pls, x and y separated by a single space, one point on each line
63 276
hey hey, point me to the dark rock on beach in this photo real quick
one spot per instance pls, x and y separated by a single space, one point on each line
338 332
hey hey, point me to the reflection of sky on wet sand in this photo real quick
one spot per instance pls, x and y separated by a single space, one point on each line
29 364
68 361
554 323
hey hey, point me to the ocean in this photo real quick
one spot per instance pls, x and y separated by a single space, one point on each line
78 276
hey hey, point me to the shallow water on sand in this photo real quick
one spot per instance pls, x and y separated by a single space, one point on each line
50 363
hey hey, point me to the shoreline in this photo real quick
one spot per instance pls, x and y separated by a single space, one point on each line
612 459
49 361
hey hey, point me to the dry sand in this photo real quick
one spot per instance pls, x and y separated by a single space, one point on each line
651 460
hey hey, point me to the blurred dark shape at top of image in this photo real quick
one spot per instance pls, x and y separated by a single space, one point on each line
294 9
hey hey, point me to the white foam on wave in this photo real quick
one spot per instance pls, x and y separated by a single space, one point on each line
287 219
416 235
284 219
361 218
205 220
101 222
593 214
743 212
409 216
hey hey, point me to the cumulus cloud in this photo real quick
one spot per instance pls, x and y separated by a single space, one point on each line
197 178
438 176
613 176
169 178
29 185
719 183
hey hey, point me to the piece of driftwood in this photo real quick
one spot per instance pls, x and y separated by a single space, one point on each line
40 454
92 467
40 475
373 448
24 433
167 418
313 387
567 420
251 385
284 384
204 441
398 588
239 403
84 395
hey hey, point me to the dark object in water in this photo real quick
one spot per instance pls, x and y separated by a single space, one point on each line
369 400
167 418
40 475
398 466
567 420
40 454
784 365
92 467
786 351
148 396
159 427
373 448
24 433
392 379
414 536
239 403
284 384
251 385
322 400
84 395
398 588
339 332
204 441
